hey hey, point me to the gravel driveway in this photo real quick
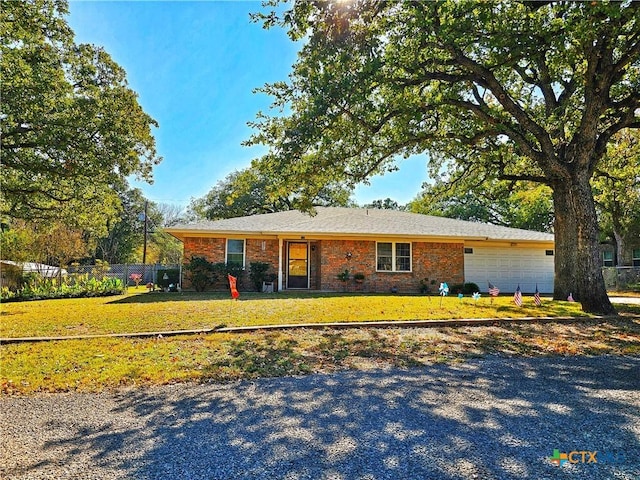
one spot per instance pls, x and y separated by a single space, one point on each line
487 418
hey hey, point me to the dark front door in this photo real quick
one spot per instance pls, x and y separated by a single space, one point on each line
298 269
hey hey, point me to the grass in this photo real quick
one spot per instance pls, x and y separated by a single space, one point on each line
143 312
95 365
98 364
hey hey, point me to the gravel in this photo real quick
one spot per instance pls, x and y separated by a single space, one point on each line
487 418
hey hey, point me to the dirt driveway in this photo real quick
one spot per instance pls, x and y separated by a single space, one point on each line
490 418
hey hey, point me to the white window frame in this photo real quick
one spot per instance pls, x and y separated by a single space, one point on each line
244 250
394 263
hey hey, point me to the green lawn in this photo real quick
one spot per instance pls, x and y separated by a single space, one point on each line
98 364
142 312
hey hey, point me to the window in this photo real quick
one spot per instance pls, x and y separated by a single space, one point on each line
607 259
235 252
393 257
548 253
635 261
468 250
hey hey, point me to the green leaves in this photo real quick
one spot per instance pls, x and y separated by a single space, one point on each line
71 127
459 80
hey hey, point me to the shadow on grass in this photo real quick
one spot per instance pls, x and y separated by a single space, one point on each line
159 297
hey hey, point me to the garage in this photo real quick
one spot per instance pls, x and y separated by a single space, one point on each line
508 267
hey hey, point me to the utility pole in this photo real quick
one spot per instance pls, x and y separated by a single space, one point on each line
146 222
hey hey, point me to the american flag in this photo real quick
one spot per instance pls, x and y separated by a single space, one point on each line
493 290
536 297
517 297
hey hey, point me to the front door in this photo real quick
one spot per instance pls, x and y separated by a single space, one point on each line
298 269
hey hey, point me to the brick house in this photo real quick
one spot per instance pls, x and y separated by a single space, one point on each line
391 249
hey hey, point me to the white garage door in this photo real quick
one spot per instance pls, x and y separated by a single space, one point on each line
508 267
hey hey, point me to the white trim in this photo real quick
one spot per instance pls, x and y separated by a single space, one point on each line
393 257
244 250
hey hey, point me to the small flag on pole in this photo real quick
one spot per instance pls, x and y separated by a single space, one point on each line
536 297
517 297
493 290
570 298
232 285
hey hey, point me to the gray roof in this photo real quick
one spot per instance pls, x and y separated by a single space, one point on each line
335 221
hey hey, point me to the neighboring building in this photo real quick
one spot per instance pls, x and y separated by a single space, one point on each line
11 272
630 255
392 249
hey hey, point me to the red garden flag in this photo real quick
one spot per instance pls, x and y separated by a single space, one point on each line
536 297
232 285
517 297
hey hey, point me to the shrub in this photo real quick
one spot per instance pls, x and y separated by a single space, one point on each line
70 286
258 274
173 277
467 288
202 273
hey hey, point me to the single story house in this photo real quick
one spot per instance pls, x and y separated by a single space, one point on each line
392 249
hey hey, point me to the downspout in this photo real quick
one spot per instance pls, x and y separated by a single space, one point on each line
280 246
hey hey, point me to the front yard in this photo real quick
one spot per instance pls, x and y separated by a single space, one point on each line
93 365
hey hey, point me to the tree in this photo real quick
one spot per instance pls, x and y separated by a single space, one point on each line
509 90
51 243
511 204
125 233
251 191
386 204
71 127
616 186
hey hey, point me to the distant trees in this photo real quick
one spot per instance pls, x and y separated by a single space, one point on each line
512 204
616 186
72 129
251 191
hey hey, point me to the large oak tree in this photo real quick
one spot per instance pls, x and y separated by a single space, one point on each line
71 126
521 90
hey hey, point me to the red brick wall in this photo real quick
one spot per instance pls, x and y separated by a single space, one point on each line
213 249
442 262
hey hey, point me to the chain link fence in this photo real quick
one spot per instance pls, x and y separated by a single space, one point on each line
622 278
128 272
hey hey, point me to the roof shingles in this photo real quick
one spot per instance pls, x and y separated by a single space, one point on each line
360 222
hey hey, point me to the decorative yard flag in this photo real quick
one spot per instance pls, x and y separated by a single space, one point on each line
444 289
232 285
570 298
493 290
536 297
517 297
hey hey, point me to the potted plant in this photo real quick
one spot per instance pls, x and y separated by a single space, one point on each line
358 277
343 276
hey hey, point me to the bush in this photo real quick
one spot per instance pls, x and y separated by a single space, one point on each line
258 274
466 289
202 273
36 287
173 277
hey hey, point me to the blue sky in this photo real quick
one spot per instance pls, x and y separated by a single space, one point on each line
194 65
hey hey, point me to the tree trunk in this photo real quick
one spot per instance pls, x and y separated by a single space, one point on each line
577 259
619 248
